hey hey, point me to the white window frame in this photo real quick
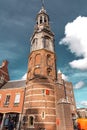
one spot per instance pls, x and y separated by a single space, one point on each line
17 98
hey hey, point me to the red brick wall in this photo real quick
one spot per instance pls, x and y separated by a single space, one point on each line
11 107
37 102
64 116
39 64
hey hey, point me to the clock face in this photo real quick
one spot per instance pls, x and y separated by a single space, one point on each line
2 79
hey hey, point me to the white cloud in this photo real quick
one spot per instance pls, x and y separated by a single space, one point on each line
76 40
79 85
84 103
63 76
79 64
24 76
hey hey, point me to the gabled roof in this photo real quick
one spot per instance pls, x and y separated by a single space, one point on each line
14 84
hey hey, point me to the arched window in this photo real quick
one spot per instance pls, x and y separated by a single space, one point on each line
38 59
41 20
34 44
37 71
31 121
43 115
29 75
30 62
45 41
45 19
49 71
49 60
35 41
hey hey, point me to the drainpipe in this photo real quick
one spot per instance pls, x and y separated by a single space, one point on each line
21 117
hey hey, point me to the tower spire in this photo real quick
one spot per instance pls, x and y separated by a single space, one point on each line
42 1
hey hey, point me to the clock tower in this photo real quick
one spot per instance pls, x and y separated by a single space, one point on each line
45 105
39 105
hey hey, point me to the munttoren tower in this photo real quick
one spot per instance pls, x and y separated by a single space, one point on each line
40 105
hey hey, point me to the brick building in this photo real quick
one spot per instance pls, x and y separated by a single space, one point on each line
11 102
44 101
65 92
4 76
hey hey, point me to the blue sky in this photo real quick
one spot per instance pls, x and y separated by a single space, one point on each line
68 20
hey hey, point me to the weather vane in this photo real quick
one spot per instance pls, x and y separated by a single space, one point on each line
42 1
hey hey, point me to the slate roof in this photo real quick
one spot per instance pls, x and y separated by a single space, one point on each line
14 84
